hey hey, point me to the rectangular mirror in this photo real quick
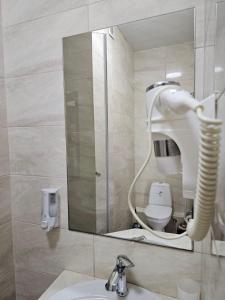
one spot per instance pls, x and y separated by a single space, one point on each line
106 73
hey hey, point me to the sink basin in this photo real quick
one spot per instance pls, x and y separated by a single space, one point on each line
95 290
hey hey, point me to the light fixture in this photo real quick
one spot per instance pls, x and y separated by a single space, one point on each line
173 75
218 69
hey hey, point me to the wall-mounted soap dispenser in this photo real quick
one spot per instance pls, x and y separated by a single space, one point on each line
50 209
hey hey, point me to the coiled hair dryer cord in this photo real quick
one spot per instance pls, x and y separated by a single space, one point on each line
210 130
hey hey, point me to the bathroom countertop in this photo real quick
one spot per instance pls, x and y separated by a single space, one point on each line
67 278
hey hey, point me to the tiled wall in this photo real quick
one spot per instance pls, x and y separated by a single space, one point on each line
33 58
7 286
36 123
220 49
151 66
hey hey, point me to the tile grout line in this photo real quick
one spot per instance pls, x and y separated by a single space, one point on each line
56 70
45 16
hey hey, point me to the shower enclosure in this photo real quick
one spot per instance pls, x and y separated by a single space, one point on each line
85 98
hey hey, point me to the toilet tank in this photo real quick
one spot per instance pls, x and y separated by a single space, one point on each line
160 194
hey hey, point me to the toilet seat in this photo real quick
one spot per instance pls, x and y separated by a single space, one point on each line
158 212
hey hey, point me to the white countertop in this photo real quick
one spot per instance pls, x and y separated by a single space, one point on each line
67 278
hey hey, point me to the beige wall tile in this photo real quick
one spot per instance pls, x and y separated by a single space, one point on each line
140 109
120 123
220 49
37 46
7 288
213 277
199 23
204 246
36 100
15 11
94 1
210 22
199 70
181 53
209 66
30 285
156 268
5 208
4 152
38 151
143 79
205 23
106 13
181 58
154 59
3 113
1 48
26 198
38 251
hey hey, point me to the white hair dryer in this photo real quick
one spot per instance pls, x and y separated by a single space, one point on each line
169 102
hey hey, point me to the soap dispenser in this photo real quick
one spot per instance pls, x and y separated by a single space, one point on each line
50 209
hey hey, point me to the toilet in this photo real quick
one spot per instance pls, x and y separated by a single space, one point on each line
159 209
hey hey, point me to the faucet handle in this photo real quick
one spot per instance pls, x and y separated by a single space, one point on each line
124 262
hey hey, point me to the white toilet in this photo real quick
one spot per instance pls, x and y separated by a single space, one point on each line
159 209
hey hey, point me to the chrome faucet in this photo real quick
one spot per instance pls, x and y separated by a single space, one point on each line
117 280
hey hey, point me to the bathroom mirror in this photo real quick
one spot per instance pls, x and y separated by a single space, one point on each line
106 73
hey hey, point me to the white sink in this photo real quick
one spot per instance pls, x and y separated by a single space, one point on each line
95 290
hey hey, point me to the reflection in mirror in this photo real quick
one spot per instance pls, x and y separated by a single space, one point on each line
106 74
218 245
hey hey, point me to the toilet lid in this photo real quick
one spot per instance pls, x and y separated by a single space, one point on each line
158 212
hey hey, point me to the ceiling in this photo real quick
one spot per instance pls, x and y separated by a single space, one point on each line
164 30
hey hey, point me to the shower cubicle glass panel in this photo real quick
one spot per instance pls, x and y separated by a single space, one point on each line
84 75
